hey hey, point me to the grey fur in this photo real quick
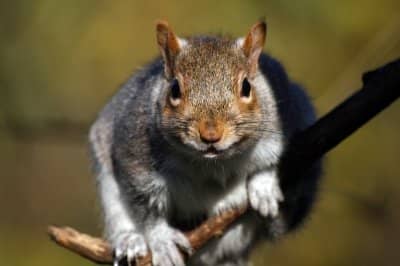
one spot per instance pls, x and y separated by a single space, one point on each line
152 186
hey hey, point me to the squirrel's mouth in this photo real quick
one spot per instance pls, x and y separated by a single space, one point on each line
211 152
214 152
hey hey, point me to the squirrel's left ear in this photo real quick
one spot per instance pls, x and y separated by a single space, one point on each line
253 44
169 45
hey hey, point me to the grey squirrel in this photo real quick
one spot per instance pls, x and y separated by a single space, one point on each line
196 132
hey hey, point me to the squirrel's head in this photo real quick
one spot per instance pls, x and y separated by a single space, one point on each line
211 105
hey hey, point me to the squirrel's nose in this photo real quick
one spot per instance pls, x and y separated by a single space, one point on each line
210 131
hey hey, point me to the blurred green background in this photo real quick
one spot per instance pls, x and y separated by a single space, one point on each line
61 60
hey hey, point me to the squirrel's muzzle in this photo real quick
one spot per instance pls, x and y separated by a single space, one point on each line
210 131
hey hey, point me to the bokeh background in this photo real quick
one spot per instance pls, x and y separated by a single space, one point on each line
61 60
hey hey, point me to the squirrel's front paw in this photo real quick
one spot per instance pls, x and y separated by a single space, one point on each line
265 194
164 242
129 244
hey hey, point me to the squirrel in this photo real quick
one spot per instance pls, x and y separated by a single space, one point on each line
199 131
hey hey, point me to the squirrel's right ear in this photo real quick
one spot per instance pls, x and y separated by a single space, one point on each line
169 45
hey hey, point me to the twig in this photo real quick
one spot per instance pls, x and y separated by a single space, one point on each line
92 248
380 88
99 251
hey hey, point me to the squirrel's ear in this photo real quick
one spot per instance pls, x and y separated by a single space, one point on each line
169 45
253 44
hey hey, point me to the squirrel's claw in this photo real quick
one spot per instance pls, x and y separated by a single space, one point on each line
130 245
118 256
164 242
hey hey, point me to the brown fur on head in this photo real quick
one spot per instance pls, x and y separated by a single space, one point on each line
212 105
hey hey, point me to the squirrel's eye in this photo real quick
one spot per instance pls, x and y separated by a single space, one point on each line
175 94
175 90
246 89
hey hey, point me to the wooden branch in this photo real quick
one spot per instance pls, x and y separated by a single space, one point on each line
92 248
380 88
99 251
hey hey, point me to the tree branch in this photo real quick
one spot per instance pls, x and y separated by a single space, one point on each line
381 87
99 251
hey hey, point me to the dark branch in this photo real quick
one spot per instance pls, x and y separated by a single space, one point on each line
381 87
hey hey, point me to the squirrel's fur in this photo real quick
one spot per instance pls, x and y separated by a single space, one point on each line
166 162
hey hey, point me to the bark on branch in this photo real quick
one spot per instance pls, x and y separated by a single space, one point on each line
99 251
381 87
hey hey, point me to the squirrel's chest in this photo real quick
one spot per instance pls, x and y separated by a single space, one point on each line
212 188
203 193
